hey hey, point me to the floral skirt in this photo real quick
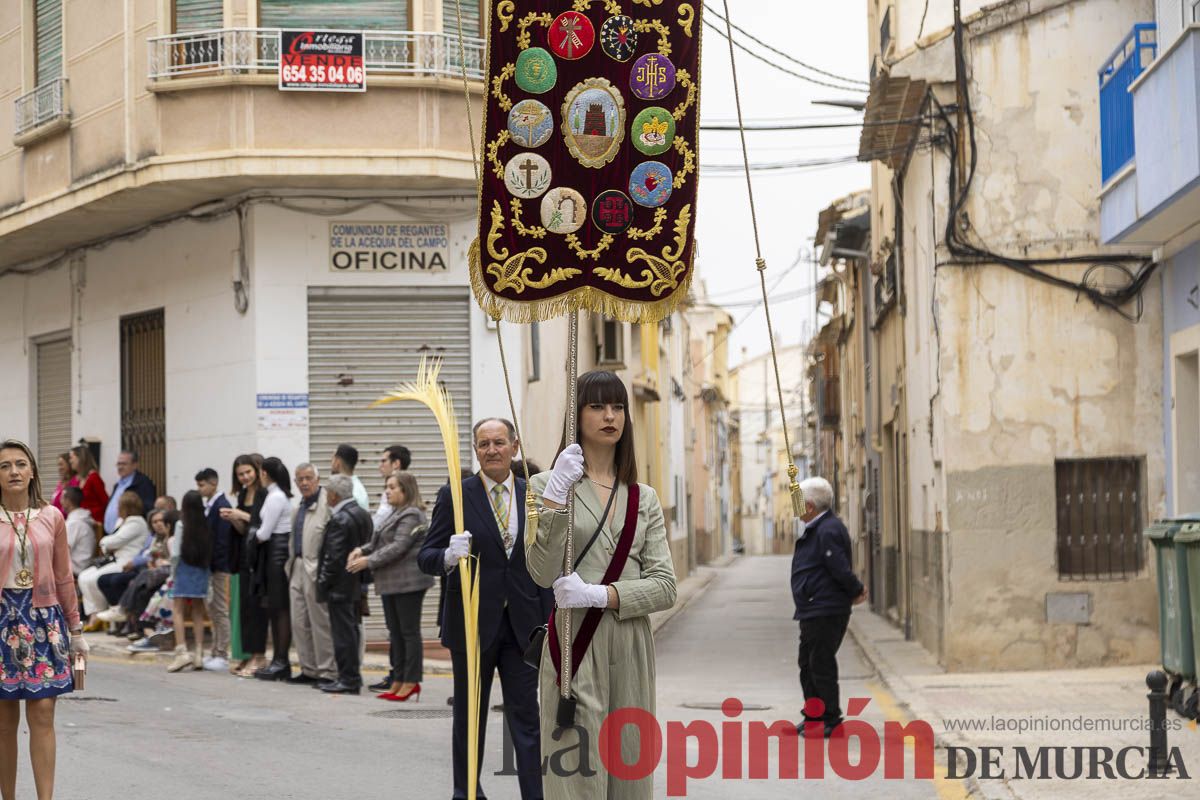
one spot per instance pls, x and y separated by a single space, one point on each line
35 649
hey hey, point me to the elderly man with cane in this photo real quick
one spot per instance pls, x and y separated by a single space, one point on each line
824 587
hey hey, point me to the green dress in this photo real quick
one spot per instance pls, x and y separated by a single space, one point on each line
617 670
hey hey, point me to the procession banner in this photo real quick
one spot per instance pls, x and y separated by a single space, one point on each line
587 191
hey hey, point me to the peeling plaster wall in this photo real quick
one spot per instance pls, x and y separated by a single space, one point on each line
1004 375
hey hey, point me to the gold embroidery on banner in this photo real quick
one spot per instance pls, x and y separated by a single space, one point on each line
519 225
523 38
663 273
684 78
689 161
664 34
504 13
611 6
493 150
595 253
502 100
687 16
660 216
513 274
648 3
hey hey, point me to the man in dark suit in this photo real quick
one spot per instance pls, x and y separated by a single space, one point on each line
349 526
511 605
129 479
824 587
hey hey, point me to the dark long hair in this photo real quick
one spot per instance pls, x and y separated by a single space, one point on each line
246 460
196 548
278 473
87 462
604 387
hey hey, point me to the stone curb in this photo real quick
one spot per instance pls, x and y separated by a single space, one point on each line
907 698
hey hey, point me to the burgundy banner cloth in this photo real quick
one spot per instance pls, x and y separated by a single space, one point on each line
589 159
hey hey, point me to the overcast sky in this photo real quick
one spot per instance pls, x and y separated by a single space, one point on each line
831 36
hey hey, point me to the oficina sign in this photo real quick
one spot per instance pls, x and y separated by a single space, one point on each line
323 61
388 246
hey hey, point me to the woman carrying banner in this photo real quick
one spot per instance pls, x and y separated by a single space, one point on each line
619 579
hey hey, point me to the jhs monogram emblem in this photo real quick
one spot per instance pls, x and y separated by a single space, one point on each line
652 77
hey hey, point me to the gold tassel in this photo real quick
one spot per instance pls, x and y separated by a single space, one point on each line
531 516
797 495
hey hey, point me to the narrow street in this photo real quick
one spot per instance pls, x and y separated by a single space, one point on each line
139 733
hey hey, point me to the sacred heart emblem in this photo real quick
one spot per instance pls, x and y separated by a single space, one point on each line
593 122
650 184
618 39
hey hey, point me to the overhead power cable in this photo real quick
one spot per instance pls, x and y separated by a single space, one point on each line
785 70
710 10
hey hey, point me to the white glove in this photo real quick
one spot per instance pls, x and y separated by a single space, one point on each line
568 469
79 645
571 592
460 547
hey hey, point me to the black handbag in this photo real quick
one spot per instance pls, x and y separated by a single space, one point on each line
537 637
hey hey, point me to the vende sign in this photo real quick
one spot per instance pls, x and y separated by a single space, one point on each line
322 61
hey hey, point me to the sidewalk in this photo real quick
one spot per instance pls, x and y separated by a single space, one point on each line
1111 700
112 647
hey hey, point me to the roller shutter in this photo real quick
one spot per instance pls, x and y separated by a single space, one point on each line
199 15
53 405
361 344
471 17
387 15
48 39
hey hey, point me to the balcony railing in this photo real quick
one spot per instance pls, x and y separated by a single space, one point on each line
238 51
43 105
1123 67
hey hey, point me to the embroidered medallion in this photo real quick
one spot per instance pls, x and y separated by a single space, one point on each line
563 210
571 35
527 175
594 122
612 212
652 77
530 123
536 71
618 39
653 131
650 184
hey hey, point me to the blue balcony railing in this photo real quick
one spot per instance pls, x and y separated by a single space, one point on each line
1123 67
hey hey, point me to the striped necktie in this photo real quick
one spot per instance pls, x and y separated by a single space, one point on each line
500 509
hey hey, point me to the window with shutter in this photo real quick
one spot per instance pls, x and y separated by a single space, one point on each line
471 17
199 15
48 30
387 15
53 403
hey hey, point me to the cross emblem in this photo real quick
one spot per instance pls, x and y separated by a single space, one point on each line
529 168
570 28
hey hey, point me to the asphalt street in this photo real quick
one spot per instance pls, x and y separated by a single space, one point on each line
139 733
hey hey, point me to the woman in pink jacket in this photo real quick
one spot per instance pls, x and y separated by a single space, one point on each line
39 617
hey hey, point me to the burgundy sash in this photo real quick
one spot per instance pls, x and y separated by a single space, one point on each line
583 637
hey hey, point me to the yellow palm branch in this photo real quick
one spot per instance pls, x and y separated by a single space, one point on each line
427 391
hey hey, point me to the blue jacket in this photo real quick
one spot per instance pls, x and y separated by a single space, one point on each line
823 580
502 580
221 537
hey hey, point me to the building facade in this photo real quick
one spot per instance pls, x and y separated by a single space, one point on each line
766 518
196 264
1023 419
1150 198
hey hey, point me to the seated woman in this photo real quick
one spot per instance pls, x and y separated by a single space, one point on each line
124 544
624 576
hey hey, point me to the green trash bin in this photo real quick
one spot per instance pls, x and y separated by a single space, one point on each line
1174 598
1187 550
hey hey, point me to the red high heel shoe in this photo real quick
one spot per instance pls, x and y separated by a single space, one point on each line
414 693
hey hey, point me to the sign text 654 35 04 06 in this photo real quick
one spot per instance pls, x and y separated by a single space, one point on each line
327 61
